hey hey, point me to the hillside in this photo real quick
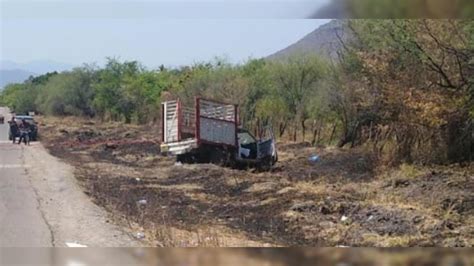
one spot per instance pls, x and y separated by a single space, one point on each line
324 41
36 66
13 76
14 72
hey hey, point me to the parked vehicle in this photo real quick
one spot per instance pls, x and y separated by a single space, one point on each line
33 130
209 132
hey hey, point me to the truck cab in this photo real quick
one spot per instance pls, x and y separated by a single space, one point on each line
253 151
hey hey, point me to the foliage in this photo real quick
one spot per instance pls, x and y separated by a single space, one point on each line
415 83
68 94
403 87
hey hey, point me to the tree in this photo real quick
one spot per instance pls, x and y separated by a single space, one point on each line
296 81
414 78
69 93
111 99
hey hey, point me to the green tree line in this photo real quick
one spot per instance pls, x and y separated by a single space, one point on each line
404 88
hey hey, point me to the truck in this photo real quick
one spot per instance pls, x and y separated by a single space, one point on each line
209 132
33 127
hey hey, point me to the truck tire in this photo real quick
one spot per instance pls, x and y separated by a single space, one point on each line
266 164
218 157
185 158
221 157
181 158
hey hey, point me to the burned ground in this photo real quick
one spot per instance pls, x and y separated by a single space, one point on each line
343 199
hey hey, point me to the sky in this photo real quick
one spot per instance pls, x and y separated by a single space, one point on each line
153 32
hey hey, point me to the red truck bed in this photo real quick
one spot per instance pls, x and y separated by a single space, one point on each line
209 122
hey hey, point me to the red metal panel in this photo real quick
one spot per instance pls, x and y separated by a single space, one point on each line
163 119
179 119
236 120
198 121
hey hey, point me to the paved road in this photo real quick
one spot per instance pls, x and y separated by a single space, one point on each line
22 223
42 206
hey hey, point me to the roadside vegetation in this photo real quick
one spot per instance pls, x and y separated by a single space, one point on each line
404 87
343 199
391 117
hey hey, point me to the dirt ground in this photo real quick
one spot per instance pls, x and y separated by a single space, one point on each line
341 200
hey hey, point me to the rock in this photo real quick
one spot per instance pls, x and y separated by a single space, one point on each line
345 220
140 235
127 135
417 219
400 183
327 224
303 207
325 210
450 225
110 146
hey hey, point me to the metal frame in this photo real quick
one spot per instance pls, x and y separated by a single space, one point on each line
184 145
179 112
198 123
163 119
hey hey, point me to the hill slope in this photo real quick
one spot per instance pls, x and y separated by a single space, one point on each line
13 76
13 72
37 66
325 41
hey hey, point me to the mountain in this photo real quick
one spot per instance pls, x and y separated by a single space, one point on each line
13 76
37 66
13 72
325 41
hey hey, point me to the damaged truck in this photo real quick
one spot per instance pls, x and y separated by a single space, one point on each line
209 132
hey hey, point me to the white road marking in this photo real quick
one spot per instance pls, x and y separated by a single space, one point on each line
75 245
75 263
16 143
9 166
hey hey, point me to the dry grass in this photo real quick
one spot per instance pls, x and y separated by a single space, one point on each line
300 203
375 240
169 236
312 188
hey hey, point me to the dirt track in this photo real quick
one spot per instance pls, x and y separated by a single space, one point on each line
341 200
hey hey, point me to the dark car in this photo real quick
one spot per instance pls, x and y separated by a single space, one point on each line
33 125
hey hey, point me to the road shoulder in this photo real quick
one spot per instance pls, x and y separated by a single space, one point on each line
71 215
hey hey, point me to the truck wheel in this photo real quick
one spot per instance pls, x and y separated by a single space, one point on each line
215 157
181 158
219 157
186 158
266 164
